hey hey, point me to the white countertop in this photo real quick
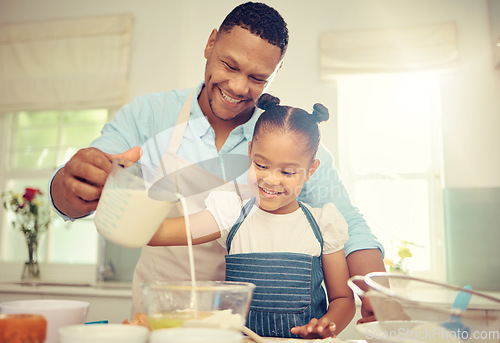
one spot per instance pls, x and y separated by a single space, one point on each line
100 289
124 290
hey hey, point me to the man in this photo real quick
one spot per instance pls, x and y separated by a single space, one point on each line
243 57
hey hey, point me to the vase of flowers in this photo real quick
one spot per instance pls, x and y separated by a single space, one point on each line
31 218
398 265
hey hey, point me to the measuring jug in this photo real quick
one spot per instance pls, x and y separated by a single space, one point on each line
126 214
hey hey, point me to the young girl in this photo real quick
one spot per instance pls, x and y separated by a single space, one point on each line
285 247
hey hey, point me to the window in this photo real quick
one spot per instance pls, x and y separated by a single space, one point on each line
389 159
33 145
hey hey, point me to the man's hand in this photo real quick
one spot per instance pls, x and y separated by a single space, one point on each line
367 314
321 328
76 188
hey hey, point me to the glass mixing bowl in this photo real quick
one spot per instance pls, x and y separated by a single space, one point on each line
415 310
216 304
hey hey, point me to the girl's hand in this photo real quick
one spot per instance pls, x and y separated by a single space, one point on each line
321 328
132 155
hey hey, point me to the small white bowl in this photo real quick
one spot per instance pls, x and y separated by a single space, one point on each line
103 333
195 335
58 313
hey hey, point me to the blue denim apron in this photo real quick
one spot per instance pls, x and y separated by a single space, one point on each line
288 288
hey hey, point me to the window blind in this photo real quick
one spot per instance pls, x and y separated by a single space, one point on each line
66 64
405 49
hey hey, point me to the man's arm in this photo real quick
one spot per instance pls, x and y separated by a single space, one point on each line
75 189
325 186
362 262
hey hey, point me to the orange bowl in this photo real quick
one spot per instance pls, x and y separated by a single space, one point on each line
25 328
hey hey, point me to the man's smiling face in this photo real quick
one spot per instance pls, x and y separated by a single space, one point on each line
240 65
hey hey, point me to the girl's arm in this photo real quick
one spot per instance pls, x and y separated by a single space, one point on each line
172 231
341 309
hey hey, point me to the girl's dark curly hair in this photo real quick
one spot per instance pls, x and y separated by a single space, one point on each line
291 119
260 20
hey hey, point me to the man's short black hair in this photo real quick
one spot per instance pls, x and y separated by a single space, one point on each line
260 20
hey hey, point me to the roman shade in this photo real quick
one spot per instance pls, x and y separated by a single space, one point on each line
387 50
65 64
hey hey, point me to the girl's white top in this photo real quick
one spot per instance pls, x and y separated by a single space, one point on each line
265 232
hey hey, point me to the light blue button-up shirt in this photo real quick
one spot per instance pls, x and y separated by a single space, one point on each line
148 122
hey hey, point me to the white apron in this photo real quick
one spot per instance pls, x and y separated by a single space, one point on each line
172 263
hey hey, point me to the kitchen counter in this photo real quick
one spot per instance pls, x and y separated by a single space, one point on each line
110 301
105 289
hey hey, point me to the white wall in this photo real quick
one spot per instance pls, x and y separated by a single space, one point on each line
169 37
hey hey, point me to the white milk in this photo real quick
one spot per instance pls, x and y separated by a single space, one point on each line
190 253
129 217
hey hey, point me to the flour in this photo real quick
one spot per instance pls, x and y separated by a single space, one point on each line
224 319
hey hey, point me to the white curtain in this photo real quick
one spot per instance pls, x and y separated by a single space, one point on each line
66 64
431 47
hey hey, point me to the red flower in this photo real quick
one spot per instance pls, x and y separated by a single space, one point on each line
30 194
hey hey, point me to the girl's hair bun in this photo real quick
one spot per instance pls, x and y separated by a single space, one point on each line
320 112
266 101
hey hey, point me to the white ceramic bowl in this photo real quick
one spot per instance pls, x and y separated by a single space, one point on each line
58 313
195 335
103 333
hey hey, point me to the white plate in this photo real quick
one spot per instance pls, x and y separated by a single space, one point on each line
103 333
195 335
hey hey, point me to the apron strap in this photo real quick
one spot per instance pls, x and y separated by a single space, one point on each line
243 214
314 225
180 126
170 156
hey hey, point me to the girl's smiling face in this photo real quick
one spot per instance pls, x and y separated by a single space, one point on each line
280 166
